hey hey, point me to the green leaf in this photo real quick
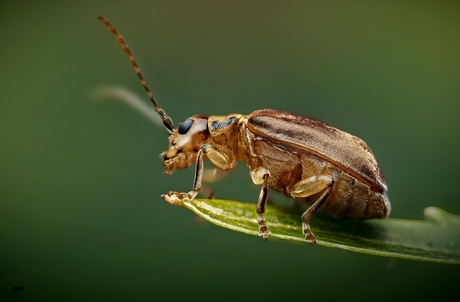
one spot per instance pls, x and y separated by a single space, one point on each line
435 239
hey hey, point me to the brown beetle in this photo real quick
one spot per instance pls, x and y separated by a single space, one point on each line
304 158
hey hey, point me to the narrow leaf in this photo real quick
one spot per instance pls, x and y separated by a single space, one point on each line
435 239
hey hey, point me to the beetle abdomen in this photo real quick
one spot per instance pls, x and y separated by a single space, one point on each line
344 150
349 197
353 199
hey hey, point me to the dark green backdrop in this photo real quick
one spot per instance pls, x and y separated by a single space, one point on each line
81 216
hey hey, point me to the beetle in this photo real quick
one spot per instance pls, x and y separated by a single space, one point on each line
301 157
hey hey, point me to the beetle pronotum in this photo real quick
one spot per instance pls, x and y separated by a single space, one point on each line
304 158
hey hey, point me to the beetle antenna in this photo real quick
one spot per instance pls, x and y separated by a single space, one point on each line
167 121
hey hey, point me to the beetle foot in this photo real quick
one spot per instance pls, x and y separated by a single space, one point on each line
176 198
308 233
264 231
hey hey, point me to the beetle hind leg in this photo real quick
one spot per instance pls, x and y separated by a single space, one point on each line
308 187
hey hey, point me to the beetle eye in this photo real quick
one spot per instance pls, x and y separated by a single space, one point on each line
185 126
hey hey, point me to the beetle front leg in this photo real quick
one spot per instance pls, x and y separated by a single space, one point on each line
177 198
308 187
260 176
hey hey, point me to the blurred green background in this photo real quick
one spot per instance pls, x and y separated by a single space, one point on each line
81 216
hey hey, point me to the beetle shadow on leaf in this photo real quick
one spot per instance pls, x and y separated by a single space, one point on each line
346 227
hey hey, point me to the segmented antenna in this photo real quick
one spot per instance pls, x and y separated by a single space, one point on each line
167 121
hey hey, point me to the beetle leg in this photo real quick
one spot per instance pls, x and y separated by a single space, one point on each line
308 187
223 158
207 191
260 176
211 175
177 198
214 174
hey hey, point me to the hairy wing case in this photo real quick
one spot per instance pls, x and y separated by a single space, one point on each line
341 148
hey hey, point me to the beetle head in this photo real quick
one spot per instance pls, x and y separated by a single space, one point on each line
187 139
184 143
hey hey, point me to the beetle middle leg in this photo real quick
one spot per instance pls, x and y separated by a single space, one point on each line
259 176
308 187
